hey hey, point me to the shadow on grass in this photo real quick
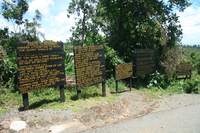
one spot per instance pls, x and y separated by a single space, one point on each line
85 95
39 104
121 91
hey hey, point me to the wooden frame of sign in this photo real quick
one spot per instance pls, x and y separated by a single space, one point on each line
123 71
183 71
40 66
145 61
89 67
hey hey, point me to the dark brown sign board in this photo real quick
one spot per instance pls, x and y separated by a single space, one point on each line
183 69
145 61
89 66
123 71
40 66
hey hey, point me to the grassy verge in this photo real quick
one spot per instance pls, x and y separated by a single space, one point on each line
50 98
92 96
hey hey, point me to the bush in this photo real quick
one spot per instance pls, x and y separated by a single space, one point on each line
69 65
8 68
111 59
157 80
173 57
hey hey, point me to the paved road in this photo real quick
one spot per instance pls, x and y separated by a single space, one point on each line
184 119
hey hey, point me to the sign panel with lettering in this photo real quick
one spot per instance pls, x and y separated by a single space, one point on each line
183 69
89 66
145 61
40 66
123 71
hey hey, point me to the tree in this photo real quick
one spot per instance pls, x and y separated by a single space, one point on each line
86 31
13 11
31 33
130 24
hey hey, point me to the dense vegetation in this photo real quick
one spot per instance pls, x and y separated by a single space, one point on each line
120 25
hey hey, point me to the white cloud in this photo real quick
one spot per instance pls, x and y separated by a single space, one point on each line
41 5
190 22
58 28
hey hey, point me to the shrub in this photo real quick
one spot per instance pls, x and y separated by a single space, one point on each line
8 68
173 57
157 80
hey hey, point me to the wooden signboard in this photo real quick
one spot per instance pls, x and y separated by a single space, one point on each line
89 66
40 66
145 61
123 71
183 69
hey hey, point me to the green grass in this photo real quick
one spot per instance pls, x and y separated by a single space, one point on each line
176 87
91 96
4 111
50 98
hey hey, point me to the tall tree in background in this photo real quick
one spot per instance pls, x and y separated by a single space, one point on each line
13 11
31 32
133 24
24 30
86 31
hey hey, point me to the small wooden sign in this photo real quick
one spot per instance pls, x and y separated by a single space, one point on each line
145 61
183 69
123 71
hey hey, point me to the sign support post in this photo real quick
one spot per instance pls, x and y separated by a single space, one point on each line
130 83
79 94
25 101
62 93
116 86
104 89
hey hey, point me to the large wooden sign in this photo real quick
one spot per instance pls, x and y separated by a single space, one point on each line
145 61
183 69
123 71
40 66
89 66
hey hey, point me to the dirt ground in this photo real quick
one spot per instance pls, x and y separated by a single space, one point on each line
128 105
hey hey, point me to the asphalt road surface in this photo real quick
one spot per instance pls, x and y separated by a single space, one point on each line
184 119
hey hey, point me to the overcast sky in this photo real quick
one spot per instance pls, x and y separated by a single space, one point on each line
56 26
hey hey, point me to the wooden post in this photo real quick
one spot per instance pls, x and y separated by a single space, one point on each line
62 93
25 101
138 83
79 94
130 83
104 89
116 86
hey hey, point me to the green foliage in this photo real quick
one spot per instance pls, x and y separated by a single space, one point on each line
172 57
111 84
85 32
8 66
14 10
192 56
192 86
30 32
69 64
111 59
156 80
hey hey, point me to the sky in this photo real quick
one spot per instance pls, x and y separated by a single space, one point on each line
56 25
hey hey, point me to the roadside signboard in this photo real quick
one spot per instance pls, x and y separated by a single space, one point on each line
40 66
89 66
145 61
123 71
